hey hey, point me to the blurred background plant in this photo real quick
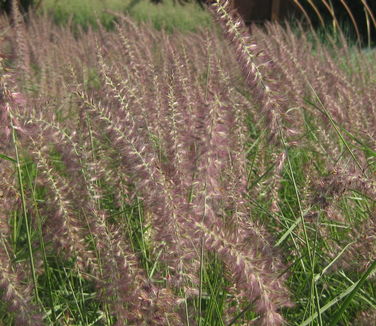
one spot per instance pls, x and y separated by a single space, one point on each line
169 15
355 18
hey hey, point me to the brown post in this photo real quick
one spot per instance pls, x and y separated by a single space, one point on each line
276 9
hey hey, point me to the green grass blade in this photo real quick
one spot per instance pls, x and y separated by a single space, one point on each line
24 210
8 158
350 290
351 295
318 276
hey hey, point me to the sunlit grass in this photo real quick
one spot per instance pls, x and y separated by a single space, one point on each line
168 15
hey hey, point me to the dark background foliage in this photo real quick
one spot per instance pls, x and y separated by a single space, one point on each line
356 7
25 5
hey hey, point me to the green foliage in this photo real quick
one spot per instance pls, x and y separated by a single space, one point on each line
168 16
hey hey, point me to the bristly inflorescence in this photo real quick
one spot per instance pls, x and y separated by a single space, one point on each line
254 61
182 180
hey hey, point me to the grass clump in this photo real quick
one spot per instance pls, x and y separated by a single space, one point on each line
163 179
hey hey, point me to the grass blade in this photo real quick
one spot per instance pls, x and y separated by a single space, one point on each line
351 295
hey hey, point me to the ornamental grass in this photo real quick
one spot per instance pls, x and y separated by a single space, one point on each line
222 177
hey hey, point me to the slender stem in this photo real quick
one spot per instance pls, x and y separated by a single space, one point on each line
24 209
201 281
45 261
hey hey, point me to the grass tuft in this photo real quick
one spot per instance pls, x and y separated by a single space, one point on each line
153 178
